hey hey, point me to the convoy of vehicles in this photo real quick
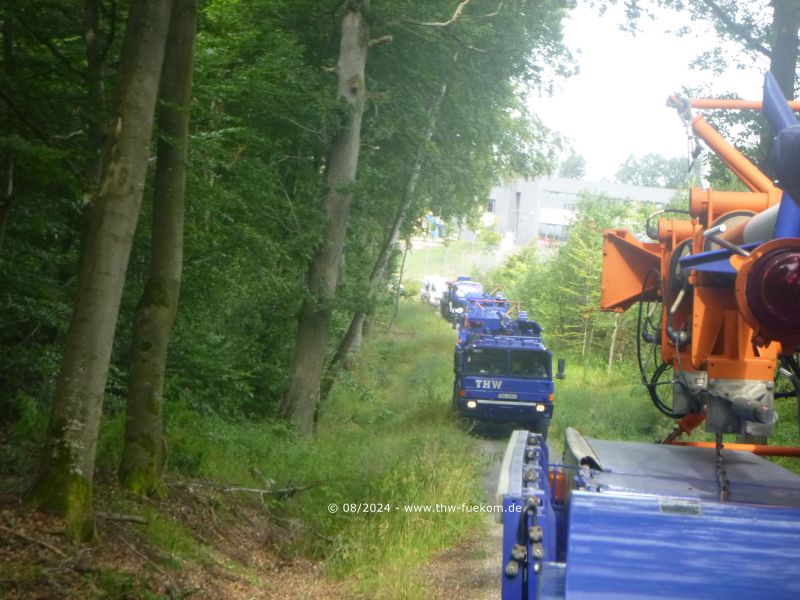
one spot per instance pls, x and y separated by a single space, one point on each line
503 371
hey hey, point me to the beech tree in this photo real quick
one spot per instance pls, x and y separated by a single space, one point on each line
305 373
763 30
64 482
142 459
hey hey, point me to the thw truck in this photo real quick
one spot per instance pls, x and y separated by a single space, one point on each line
503 371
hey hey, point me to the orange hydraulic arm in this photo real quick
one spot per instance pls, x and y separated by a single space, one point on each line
719 359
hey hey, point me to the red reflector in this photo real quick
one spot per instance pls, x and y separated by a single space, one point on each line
773 291
461 393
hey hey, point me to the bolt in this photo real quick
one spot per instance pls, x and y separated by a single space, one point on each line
770 385
537 567
512 568
518 552
538 552
532 502
535 533
748 429
712 382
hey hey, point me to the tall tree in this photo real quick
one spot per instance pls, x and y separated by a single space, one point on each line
64 482
411 163
767 29
140 470
352 339
573 167
654 170
315 315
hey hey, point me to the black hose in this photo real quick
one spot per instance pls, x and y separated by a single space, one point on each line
651 384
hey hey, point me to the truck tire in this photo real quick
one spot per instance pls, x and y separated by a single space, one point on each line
539 426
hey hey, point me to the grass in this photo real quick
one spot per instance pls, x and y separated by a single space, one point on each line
616 407
386 435
606 406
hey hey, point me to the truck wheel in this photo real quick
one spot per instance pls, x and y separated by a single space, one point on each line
540 426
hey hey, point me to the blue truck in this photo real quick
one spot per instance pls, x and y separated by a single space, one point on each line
696 519
456 298
503 371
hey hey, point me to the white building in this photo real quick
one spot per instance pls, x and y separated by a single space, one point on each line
541 210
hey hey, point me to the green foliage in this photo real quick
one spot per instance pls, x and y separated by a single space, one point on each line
573 167
654 170
612 406
386 435
561 288
490 238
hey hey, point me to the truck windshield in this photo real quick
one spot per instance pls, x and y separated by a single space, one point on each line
469 287
530 363
487 361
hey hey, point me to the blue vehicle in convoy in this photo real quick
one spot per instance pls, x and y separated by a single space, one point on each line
459 293
503 371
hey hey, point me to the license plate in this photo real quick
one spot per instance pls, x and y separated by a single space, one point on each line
507 396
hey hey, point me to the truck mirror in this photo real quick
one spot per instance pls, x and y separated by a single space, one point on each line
458 358
560 373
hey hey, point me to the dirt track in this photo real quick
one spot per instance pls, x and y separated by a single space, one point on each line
472 571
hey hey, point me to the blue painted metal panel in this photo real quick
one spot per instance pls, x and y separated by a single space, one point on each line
713 261
509 341
787 224
527 482
778 112
649 525
645 546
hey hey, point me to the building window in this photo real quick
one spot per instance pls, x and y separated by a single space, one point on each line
490 205
553 231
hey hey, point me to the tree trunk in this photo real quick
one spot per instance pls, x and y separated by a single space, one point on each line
305 372
142 459
64 482
351 342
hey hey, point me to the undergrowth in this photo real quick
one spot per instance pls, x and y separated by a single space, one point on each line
386 438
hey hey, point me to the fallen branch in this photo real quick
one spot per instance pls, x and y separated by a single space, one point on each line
289 491
120 517
34 540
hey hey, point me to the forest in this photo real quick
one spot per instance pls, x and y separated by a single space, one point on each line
202 206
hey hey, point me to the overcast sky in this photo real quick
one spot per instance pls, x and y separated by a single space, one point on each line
615 106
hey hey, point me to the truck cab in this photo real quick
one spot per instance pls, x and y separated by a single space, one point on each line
504 378
459 294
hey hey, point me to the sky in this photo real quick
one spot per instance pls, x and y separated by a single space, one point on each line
615 106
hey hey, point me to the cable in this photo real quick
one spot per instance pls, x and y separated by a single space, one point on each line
652 383
653 233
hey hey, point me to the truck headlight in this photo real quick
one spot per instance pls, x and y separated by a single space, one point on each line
472 404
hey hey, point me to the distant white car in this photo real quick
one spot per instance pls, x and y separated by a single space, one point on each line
433 286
